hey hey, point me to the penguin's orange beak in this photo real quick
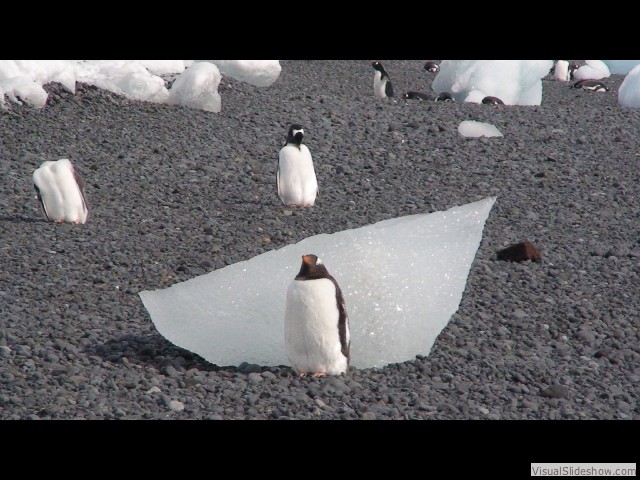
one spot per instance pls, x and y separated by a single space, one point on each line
307 259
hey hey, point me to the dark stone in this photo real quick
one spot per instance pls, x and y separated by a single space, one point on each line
555 391
520 252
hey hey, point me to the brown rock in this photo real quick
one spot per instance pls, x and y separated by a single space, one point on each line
520 252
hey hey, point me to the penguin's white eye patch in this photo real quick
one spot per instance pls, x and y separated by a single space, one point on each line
295 132
318 262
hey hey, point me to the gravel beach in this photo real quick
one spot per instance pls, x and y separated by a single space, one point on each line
176 192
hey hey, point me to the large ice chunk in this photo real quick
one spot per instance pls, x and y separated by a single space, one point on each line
260 73
629 91
592 70
402 279
516 82
197 87
129 79
471 128
621 66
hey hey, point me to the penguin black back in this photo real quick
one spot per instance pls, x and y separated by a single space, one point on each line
492 101
411 95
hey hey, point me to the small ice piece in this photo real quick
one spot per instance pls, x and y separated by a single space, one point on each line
197 87
471 128
261 73
60 191
402 280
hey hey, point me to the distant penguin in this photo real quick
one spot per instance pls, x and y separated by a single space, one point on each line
382 87
416 96
444 97
591 85
60 192
296 177
561 71
316 325
432 67
492 101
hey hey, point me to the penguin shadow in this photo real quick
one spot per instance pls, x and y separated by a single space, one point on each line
156 351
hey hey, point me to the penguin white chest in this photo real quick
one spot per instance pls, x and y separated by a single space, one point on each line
61 196
379 85
312 336
296 178
561 71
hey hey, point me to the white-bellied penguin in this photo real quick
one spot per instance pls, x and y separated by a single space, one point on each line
296 177
316 325
591 85
60 192
382 87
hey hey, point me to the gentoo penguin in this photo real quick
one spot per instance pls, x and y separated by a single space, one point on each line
382 87
492 101
432 67
296 177
591 85
416 96
60 192
316 326
445 97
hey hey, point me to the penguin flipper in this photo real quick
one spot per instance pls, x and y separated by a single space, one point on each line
278 181
81 184
388 89
43 208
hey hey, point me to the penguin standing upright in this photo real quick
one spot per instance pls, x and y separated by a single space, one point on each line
382 87
60 192
296 177
561 72
316 326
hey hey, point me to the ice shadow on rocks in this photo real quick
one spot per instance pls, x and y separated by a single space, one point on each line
158 352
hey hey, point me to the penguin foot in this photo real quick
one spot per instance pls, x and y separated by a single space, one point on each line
318 374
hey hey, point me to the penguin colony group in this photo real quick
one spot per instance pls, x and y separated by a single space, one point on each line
316 327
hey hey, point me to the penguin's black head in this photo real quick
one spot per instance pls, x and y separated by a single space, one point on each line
312 267
432 67
296 133
572 70
378 66
444 97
